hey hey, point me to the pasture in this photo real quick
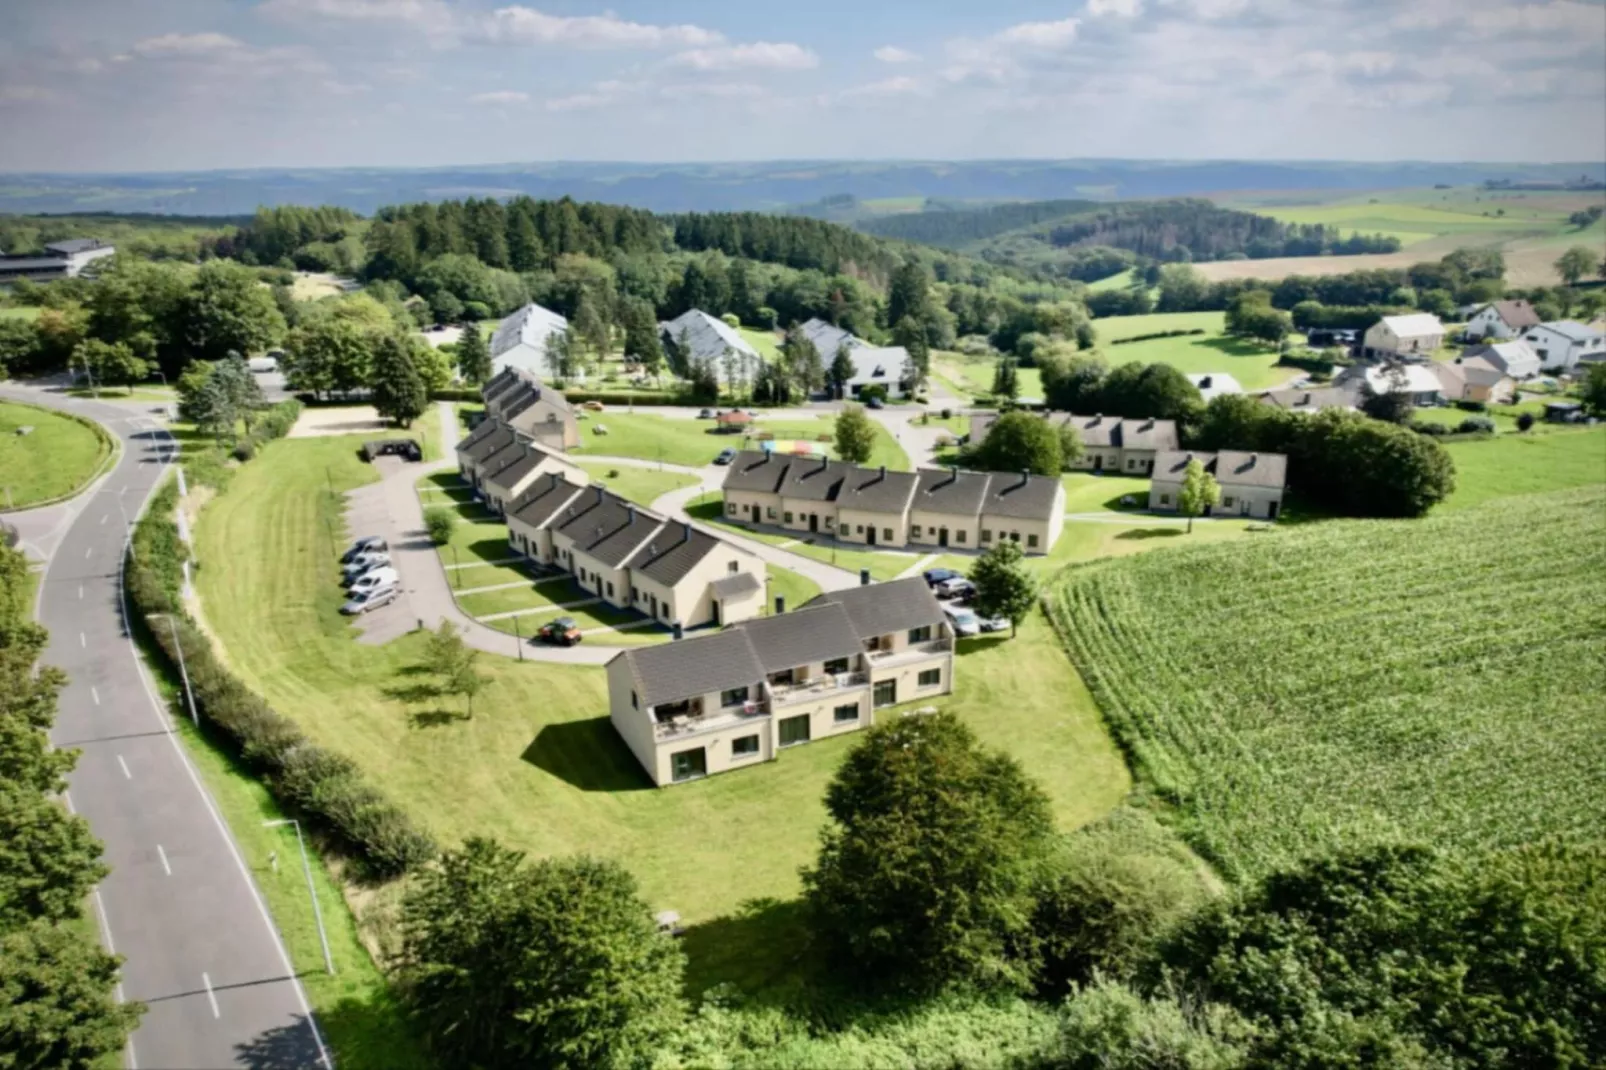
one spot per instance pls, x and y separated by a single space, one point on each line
1251 363
1434 680
1525 464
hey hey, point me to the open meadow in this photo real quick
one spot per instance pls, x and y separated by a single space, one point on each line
1434 680
677 440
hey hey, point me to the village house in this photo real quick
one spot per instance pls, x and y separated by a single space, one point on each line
518 397
1516 359
1410 337
1251 484
1563 344
1501 320
1415 380
872 365
521 339
694 337
1109 443
508 473
877 507
714 703
1473 379
1310 399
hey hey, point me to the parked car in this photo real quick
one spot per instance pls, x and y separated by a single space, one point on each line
363 601
875 403
705 414
957 589
372 542
963 621
560 632
992 624
594 406
374 579
935 576
726 456
362 565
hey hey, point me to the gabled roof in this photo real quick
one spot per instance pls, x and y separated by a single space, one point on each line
883 608
493 463
504 384
1097 431
478 435
1230 467
950 490
509 474
672 552
737 583
1027 497
76 245
1400 379
607 527
876 490
480 447
877 364
1148 435
1414 325
1515 313
814 480
827 337
756 470
817 632
1571 330
1311 399
528 326
545 501
707 336
670 672
1516 357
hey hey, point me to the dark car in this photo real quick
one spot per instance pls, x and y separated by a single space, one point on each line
875 403
372 542
935 576
726 456
561 632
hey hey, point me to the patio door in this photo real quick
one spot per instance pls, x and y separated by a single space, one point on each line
886 693
942 536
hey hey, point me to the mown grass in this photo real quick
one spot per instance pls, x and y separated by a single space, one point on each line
1252 364
1434 680
53 460
696 442
641 485
1525 464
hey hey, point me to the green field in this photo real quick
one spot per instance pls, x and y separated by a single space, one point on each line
20 312
1119 281
54 460
539 766
1413 223
676 440
641 485
1252 364
768 343
1525 464
1434 680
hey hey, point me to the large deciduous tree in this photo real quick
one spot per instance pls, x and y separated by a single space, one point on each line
554 963
924 878
228 309
1020 442
855 435
57 1011
397 390
1003 586
1199 491
1575 264
109 363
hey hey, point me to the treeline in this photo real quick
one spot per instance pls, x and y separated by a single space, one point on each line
57 986
153 237
793 241
958 227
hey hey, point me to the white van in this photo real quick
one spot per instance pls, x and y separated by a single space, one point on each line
370 581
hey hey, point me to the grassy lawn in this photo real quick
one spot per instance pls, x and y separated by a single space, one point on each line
1088 493
1119 281
768 343
886 450
20 312
792 586
1253 365
1504 417
976 376
641 485
695 443
1525 464
52 461
539 766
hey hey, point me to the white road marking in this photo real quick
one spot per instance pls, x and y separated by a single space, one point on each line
207 981
82 641
89 552
105 518
94 693
124 766
80 592
163 856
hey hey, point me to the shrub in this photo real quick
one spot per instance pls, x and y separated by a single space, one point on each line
208 469
947 414
439 521
731 320
1179 333
1428 427
873 390
244 450
1473 425
1525 421
1472 406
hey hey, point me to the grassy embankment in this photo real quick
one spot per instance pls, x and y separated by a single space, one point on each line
53 460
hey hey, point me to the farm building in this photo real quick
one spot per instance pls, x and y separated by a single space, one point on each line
1251 483
1410 337
520 340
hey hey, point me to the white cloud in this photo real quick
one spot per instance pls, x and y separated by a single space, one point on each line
760 55
500 96
886 87
527 26
1007 53
1126 9
431 15
894 54
1040 34
186 44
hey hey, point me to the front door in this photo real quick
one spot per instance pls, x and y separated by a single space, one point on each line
1271 510
1098 462
754 508
716 614
886 693
814 523
871 532
942 536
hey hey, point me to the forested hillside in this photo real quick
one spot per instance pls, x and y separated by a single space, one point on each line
959 227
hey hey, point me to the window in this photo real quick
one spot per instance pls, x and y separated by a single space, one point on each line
959 536
770 512
886 693
1227 501
845 714
986 535
785 676
733 566
830 522
886 533
744 746
921 634
688 765
635 703
730 508
836 666
610 588
1031 541
734 697
788 518
930 678
914 531
795 730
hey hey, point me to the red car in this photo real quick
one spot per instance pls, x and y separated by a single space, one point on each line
561 632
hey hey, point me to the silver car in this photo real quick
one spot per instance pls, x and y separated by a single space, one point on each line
370 581
362 602
963 621
364 565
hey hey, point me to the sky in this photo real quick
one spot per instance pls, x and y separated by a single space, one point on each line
151 85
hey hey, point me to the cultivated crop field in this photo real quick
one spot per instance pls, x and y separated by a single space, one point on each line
1435 680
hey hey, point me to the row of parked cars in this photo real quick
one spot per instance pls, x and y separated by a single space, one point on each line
367 575
955 592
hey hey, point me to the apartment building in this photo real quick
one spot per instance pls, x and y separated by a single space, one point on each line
1251 484
519 399
739 697
877 507
1109 443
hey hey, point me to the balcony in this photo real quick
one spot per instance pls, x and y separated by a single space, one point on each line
880 659
693 722
815 688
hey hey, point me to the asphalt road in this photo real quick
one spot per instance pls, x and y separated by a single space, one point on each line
180 904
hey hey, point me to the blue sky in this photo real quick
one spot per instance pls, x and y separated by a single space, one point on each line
188 84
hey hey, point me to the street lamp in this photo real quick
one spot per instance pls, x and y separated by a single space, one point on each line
306 867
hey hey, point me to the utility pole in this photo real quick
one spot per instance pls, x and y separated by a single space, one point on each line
183 671
518 639
312 892
457 569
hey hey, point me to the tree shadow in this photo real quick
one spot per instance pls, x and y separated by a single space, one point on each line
1235 347
1118 503
419 691
1136 534
434 718
370 1034
763 949
587 754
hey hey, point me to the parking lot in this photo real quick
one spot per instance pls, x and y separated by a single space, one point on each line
368 512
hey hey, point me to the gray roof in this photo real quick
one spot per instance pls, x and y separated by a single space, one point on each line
755 470
707 336
509 474
1021 495
492 464
1516 313
545 500
76 245
480 447
503 385
877 364
1148 435
672 552
1114 432
670 672
529 326
485 427
827 337
814 479
607 527
817 632
1323 397
1571 330
1230 467
736 583
32 263
877 490
883 608
950 490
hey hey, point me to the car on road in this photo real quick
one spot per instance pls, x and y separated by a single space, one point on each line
958 589
962 621
363 601
726 456
372 542
935 576
594 406
378 577
875 403
560 632
705 414
362 565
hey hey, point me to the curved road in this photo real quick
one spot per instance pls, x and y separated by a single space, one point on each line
180 904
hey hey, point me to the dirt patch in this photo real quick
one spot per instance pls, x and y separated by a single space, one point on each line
344 420
1526 264
311 285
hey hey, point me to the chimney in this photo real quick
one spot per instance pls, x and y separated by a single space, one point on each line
599 493
864 577
825 462
1253 457
685 531
630 513
676 631
780 604
1025 477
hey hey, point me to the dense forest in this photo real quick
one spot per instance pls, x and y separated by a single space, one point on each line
959 227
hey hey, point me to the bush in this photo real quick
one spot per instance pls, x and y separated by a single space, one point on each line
244 450
731 320
1473 425
1525 421
1428 427
208 469
440 521
1472 406
873 390
1180 333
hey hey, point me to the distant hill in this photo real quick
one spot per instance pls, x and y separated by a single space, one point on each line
762 186
958 227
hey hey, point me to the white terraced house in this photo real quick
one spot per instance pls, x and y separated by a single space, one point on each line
1109 443
936 507
739 697
1251 483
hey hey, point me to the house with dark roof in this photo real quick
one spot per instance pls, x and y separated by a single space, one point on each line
1308 399
1251 484
508 473
519 398
738 697
1109 443
60 260
1501 320
877 507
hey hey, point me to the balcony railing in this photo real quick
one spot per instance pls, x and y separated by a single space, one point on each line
911 652
816 687
691 724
